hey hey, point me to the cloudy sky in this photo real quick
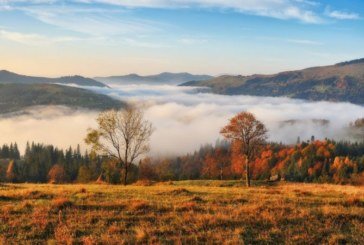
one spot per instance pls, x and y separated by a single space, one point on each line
113 37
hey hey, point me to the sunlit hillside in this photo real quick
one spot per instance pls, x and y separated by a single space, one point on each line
182 212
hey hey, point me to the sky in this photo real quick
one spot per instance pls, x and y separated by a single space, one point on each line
116 37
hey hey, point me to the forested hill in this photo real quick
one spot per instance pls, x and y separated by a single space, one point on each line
340 82
16 97
162 78
13 78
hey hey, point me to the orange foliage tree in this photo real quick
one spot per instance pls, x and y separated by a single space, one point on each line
216 164
57 174
251 135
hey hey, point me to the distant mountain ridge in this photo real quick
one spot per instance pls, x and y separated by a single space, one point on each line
10 77
17 97
341 82
162 78
358 61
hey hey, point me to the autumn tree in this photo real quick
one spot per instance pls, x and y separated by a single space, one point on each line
216 164
251 135
57 174
122 135
209 167
12 172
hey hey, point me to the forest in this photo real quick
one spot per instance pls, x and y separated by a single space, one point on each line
319 161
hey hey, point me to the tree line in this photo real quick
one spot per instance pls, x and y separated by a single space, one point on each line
9 151
324 161
46 163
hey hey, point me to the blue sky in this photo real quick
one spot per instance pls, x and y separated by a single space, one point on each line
114 37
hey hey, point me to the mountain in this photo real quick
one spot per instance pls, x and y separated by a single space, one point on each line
162 78
341 82
16 97
10 77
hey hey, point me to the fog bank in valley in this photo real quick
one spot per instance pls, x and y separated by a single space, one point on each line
184 119
56 125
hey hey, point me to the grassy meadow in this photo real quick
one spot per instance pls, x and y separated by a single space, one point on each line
181 212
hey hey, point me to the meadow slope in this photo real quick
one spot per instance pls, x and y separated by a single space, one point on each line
186 211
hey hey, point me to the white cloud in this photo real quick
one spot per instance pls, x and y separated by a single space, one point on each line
83 18
308 2
282 9
91 21
3 2
34 39
5 7
342 15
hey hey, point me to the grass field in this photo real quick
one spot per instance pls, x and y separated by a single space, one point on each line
181 212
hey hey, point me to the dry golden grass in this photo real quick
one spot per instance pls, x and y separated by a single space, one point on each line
181 212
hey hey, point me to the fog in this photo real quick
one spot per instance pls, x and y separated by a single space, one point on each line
185 118
56 125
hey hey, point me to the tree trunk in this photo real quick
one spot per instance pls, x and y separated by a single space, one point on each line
247 174
221 173
126 162
126 175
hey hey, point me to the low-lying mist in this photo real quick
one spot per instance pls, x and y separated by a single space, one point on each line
185 119
56 125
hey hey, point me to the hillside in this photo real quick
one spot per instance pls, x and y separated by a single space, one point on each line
340 82
15 97
162 78
10 77
185 212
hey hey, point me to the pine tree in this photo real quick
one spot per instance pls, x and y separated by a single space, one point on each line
16 152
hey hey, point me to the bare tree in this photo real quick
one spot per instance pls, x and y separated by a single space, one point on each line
121 135
249 133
